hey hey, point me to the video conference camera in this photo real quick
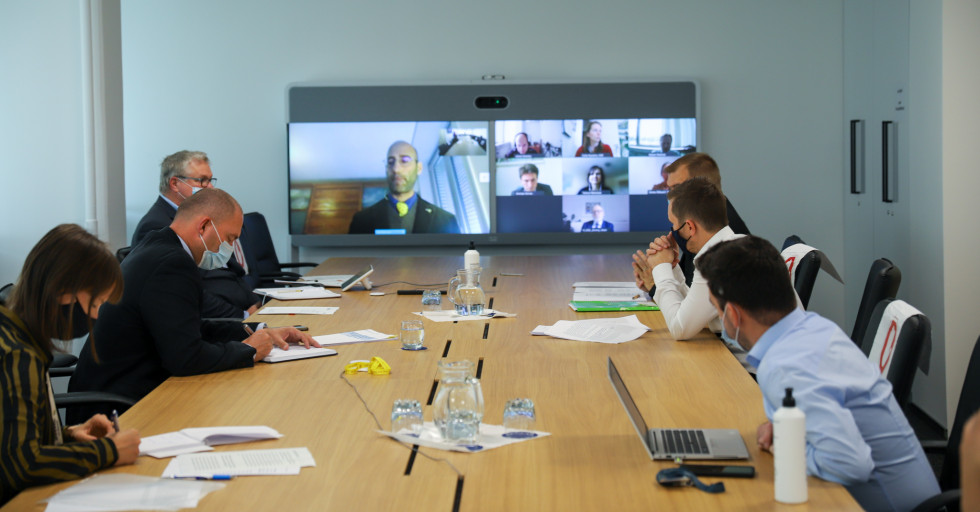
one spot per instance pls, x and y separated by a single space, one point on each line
491 102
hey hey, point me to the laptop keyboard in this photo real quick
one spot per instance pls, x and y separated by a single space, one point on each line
684 441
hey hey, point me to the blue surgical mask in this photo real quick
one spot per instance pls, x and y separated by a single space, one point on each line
194 189
731 342
212 260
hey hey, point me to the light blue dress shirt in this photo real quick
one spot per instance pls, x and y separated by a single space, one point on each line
856 434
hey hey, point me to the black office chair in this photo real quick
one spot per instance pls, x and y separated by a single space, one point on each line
123 252
807 269
5 292
949 476
910 337
883 282
260 254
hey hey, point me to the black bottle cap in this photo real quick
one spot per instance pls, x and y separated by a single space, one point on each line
788 400
472 246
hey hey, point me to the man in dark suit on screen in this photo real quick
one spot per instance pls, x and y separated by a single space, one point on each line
402 209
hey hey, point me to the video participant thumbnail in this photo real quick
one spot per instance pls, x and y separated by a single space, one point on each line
595 176
528 139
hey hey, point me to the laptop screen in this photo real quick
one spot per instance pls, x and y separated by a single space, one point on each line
629 404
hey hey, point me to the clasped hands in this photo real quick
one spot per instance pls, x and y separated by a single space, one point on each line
662 250
264 340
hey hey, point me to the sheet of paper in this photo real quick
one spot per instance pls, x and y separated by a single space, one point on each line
171 471
278 355
296 310
608 294
120 491
598 330
245 462
297 293
449 315
362 336
491 436
331 281
194 440
604 284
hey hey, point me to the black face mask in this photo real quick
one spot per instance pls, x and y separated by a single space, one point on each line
74 315
681 241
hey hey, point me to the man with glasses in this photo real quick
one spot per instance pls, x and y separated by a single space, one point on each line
696 210
402 210
182 174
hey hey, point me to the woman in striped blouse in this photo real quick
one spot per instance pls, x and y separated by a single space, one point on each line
65 279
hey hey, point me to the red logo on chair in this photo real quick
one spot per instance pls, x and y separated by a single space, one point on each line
789 264
889 347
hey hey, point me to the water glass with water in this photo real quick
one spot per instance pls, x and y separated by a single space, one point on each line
406 415
519 414
431 300
412 334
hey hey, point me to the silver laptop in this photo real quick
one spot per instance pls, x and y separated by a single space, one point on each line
690 444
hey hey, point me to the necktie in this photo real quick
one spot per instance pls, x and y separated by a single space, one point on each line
402 209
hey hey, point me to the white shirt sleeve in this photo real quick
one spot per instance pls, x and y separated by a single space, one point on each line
686 310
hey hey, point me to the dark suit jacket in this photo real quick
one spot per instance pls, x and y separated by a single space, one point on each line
156 330
429 218
226 294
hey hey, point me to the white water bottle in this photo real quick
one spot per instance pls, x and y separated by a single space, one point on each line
471 258
789 451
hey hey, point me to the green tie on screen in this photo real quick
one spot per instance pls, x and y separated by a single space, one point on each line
402 209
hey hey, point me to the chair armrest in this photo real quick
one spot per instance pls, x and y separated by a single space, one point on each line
62 400
940 501
67 371
298 264
937 446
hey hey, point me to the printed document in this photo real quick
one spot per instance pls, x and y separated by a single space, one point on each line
599 330
297 293
191 440
283 461
296 310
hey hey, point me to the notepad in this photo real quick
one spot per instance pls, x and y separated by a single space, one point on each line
297 293
602 305
361 336
279 355
192 440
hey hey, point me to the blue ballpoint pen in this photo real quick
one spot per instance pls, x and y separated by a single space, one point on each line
212 477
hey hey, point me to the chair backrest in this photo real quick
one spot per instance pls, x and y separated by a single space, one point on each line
123 252
883 281
949 477
260 252
804 269
5 293
895 344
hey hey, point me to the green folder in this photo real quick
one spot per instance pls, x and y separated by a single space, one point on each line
584 306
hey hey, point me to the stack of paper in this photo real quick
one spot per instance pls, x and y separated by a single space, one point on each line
361 336
599 330
191 440
491 436
605 305
331 281
296 310
606 291
283 461
278 355
450 315
297 293
130 492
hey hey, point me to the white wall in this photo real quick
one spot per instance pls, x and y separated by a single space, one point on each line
212 76
40 125
922 281
961 180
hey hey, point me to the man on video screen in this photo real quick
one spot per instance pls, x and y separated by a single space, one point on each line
402 209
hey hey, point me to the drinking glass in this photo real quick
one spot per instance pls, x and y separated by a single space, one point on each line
406 414
412 334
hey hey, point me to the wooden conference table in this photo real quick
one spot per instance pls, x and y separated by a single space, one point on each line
592 461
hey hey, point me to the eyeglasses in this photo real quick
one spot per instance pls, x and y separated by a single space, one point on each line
204 182
403 160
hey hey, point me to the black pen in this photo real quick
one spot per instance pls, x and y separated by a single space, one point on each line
115 420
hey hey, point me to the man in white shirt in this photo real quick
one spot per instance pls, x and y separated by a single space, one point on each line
699 220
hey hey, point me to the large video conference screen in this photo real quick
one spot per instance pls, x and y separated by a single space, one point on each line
360 175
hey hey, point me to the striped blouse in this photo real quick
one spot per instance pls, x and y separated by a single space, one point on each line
29 453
